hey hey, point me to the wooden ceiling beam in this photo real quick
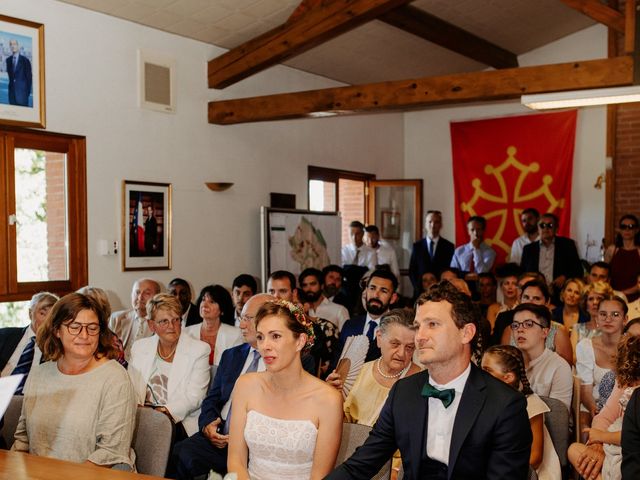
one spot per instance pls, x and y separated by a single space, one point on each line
425 92
599 12
431 28
327 21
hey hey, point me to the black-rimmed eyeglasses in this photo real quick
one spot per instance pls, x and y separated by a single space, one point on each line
526 324
74 328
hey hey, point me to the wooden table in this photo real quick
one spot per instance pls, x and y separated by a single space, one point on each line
24 466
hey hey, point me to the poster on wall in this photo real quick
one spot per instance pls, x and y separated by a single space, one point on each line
146 226
22 99
293 240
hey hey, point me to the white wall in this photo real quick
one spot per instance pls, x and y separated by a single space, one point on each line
91 90
428 144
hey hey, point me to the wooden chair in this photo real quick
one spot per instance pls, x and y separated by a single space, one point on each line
11 417
152 441
354 435
575 406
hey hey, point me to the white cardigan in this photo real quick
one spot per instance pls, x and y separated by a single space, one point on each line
227 337
188 379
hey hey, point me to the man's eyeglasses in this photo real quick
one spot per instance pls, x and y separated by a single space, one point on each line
165 322
544 225
247 318
604 315
74 328
526 324
627 226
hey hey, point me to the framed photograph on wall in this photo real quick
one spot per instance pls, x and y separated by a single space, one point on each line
22 98
390 225
146 226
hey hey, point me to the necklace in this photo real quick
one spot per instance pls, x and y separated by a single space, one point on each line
399 374
168 356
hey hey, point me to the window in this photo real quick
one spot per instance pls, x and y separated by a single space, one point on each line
339 191
43 234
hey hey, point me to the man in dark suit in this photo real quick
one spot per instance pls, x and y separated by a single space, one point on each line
19 72
379 295
555 257
207 449
631 438
180 289
431 254
244 287
452 421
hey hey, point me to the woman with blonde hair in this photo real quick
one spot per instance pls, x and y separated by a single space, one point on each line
592 295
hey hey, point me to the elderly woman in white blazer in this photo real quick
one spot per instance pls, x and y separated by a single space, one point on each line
169 371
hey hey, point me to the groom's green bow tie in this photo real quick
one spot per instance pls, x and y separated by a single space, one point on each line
445 395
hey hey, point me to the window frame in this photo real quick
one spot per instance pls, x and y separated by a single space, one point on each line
74 147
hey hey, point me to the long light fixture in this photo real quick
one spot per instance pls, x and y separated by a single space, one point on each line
582 98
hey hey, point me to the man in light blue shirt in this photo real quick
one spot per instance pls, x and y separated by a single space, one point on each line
476 256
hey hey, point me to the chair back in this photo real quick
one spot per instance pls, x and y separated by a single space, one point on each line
575 406
11 417
152 441
354 435
557 423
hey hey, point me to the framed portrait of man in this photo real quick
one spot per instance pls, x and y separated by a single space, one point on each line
22 99
146 226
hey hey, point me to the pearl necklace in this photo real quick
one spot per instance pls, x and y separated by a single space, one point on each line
399 374
168 356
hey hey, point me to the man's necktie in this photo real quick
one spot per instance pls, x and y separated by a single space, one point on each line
356 258
472 267
253 367
371 331
24 363
447 395
15 62
431 249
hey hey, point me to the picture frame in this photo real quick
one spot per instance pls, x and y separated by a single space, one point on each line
146 225
22 74
390 228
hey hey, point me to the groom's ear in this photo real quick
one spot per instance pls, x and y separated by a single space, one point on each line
468 332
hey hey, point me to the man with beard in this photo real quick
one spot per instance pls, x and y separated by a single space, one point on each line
311 284
243 288
379 294
529 221
282 285
332 275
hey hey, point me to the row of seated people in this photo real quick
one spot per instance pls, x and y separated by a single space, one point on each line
164 319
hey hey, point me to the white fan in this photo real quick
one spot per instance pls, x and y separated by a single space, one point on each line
351 361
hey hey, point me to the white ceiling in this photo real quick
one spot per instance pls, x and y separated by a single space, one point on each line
371 53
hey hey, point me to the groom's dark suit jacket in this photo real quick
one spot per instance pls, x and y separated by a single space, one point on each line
491 436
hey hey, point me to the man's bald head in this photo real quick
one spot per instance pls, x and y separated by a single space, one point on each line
249 312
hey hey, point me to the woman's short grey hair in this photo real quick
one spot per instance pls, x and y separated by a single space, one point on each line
399 316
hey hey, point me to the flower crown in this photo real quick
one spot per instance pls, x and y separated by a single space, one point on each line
301 318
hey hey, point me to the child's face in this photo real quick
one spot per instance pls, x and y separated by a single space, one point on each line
492 366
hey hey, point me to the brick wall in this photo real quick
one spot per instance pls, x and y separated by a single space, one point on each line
56 216
351 204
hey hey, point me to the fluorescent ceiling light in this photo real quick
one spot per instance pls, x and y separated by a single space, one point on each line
582 98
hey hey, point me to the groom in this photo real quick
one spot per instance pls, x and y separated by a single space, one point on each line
453 421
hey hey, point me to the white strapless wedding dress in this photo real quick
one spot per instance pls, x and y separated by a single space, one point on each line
279 449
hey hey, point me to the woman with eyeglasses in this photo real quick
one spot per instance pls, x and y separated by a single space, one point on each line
79 405
170 371
595 356
624 257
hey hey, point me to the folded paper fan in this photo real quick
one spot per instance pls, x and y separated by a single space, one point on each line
351 361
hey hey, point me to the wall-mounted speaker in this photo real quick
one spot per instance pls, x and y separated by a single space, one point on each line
157 80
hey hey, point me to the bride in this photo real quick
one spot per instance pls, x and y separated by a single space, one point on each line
285 423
